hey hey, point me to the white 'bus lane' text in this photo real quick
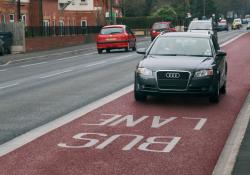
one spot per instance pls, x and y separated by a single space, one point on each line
162 144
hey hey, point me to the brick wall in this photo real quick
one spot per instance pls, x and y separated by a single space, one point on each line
46 43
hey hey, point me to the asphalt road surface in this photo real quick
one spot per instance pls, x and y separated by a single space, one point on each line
162 136
36 90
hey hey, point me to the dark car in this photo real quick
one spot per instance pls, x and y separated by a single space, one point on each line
159 27
222 25
203 26
115 37
181 63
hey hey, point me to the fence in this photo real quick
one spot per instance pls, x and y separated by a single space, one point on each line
60 31
17 30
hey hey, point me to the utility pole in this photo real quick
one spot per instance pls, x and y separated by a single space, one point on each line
204 8
19 10
111 12
40 13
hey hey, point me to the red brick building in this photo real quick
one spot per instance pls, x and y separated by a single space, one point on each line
8 11
48 12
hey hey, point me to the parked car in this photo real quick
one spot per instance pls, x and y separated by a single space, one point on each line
244 21
203 26
248 25
159 27
181 63
222 25
1 47
237 24
115 37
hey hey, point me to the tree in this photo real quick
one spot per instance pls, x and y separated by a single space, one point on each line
166 13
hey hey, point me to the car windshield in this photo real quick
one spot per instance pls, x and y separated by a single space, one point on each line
200 26
111 30
181 46
160 26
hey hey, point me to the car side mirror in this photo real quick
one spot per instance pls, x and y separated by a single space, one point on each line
221 53
141 51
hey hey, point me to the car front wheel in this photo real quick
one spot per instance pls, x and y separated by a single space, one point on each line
214 97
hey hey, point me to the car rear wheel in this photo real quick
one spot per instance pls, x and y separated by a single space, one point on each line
134 48
223 89
99 51
214 97
127 48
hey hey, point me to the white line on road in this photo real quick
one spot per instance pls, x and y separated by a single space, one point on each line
92 53
29 65
96 63
67 58
9 85
56 74
122 57
42 130
3 70
231 40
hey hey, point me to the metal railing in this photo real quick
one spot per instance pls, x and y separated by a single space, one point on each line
60 31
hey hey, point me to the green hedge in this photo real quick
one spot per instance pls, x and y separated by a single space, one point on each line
142 22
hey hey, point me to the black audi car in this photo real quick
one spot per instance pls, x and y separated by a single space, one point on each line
181 63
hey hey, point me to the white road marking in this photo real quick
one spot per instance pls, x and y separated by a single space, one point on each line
67 58
42 130
231 40
53 54
96 63
29 65
122 57
8 86
3 70
92 53
56 74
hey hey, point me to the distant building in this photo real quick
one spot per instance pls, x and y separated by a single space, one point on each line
59 13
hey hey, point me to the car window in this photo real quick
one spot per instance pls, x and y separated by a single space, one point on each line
200 26
160 26
111 30
188 46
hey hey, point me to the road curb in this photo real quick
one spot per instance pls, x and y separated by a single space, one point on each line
227 159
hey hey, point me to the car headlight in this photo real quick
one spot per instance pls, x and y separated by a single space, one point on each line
144 71
203 73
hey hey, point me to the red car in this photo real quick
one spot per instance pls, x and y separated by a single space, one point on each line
115 37
159 27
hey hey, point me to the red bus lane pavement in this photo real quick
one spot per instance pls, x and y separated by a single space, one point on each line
170 136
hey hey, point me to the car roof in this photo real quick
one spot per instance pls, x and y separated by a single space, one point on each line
202 21
187 34
114 26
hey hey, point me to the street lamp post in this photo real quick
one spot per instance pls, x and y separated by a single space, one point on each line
19 10
111 12
204 8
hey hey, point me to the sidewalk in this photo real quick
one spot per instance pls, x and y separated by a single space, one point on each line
242 165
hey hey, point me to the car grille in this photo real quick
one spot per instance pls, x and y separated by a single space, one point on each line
172 80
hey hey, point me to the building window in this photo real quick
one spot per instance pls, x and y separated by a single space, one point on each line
84 2
84 23
12 17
